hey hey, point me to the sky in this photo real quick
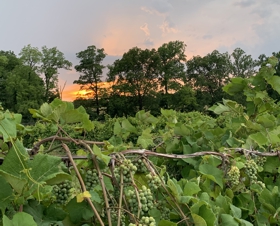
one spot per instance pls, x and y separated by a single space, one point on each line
119 25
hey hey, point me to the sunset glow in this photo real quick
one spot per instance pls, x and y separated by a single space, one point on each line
71 92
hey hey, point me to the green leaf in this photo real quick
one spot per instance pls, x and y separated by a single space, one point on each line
219 109
13 166
207 214
5 193
78 211
166 223
106 159
45 168
95 196
259 138
236 85
108 184
146 139
212 173
236 212
44 215
198 220
191 188
174 187
274 81
45 109
128 127
146 117
19 219
8 129
182 130
117 128
155 213
228 220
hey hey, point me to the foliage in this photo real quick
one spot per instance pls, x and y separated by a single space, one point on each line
52 60
207 75
174 169
171 67
91 71
135 74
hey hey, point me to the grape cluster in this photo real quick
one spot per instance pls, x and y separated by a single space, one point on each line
251 169
62 192
164 210
146 200
261 184
234 175
114 217
127 169
154 181
260 160
141 167
91 179
145 221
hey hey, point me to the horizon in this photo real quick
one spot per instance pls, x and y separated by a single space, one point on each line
203 26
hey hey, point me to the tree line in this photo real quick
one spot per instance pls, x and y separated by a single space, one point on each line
148 79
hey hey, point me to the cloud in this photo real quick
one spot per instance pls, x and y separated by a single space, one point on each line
244 3
145 9
149 42
162 6
207 36
168 26
158 7
145 29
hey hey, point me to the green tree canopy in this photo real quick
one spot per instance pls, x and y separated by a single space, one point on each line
90 69
242 65
135 74
207 75
52 61
171 66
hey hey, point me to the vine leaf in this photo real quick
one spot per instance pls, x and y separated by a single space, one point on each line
117 128
145 139
274 81
45 167
8 129
198 220
228 220
128 127
19 218
14 165
166 223
259 138
78 211
212 173
191 188
146 117
106 159
42 215
236 212
5 194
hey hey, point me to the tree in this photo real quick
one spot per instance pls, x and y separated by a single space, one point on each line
31 56
207 75
171 67
183 100
242 65
52 61
90 69
135 74
25 90
8 62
